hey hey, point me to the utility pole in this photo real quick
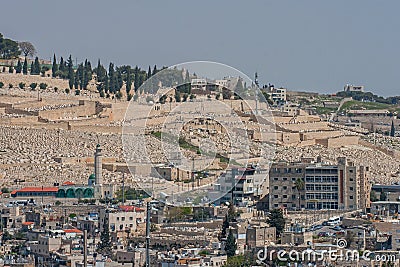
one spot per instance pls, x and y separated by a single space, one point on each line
85 248
148 206
123 188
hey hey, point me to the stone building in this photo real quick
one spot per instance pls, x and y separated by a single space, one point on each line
317 185
121 221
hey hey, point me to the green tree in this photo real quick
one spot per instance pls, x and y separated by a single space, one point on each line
230 246
42 86
70 66
112 80
105 243
225 227
383 196
32 68
33 86
154 70
128 81
5 190
18 68
392 130
62 65
299 184
11 69
35 70
8 48
149 72
1 84
276 219
54 68
21 85
136 83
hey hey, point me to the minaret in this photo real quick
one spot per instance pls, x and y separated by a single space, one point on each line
98 165
256 89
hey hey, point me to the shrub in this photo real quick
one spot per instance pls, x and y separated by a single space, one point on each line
10 85
1 84
33 86
21 85
43 86
77 92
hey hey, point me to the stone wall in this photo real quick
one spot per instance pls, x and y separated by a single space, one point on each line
85 109
338 141
319 135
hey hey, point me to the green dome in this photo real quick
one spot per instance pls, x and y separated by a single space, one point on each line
92 177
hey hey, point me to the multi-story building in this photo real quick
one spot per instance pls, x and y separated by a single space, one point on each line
122 220
242 186
277 95
317 185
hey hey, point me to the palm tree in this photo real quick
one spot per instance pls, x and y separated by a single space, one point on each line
299 184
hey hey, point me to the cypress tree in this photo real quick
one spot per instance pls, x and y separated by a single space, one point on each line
32 69
111 75
61 68
11 69
25 67
70 65
54 68
36 66
18 68
231 245
149 73
154 70
105 245
392 130
71 81
119 79
136 82
128 81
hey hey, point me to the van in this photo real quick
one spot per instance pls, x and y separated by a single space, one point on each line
333 221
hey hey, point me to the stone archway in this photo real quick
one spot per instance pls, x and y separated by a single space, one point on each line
61 193
70 193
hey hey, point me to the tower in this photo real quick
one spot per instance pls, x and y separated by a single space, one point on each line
98 165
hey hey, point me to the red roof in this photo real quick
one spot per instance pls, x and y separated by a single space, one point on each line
131 208
27 223
70 231
68 183
36 189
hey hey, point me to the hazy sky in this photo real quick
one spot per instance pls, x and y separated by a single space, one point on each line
302 45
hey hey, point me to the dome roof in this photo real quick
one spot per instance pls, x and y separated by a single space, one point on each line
92 177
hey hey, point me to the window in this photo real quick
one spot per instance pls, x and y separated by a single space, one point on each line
351 197
122 218
284 196
351 188
130 218
285 187
285 179
275 196
276 179
276 187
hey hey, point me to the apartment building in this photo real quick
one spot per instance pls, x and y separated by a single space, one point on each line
121 220
317 185
241 185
